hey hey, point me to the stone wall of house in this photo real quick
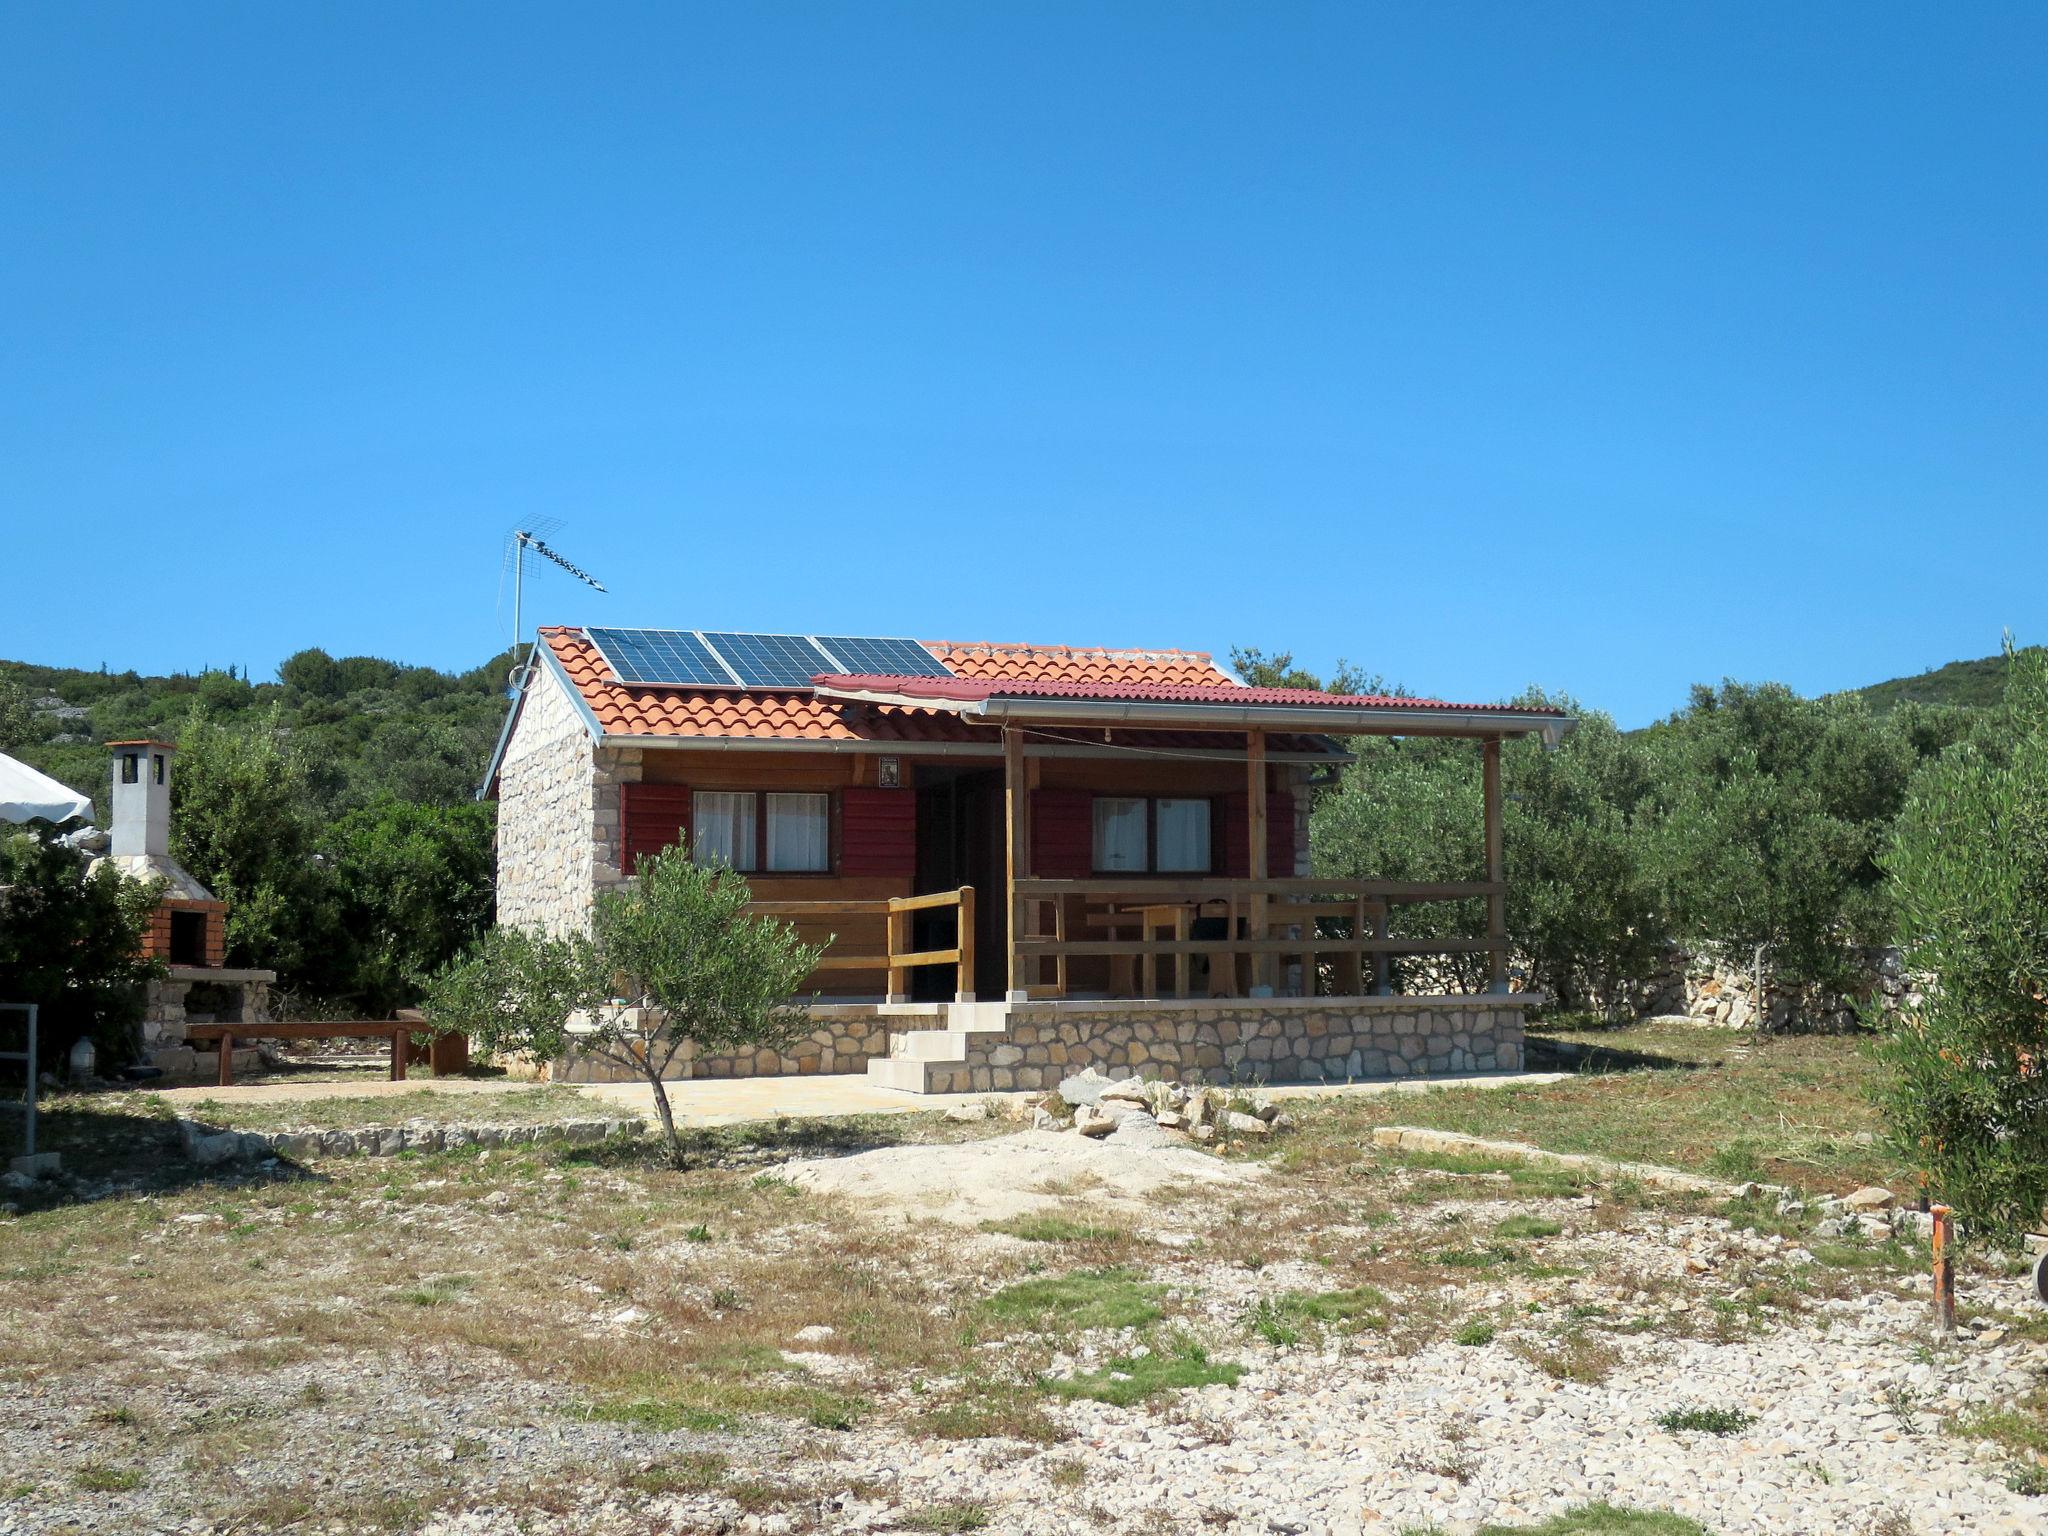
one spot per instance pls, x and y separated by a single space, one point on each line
1267 1040
547 814
844 1039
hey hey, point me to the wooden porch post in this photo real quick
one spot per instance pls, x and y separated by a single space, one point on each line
1255 822
1496 874
1016 849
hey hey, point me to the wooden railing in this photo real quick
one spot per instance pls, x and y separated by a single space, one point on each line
896 956
1251 909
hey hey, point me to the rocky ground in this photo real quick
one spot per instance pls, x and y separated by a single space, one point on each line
1315 1335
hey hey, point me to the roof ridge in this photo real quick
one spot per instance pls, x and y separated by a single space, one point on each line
1068 650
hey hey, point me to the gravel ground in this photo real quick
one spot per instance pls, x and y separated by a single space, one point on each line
1600 1313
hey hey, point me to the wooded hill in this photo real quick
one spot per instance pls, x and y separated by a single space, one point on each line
363 726
1975 684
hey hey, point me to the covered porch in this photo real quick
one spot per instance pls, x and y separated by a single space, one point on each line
1265 929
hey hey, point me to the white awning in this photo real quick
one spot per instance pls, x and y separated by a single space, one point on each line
26 795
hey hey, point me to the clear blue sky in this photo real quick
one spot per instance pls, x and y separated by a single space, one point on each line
1607 347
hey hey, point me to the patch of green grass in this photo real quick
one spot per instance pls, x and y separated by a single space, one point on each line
1131 1379
437 1292
1087 1298
947 1518
1573 1357
1516 1227
1603 1520
1284 1319
1472 1335
1738 1160
1269 1322
698 1472
660 1417
990 1411
1705 1421
1050 1227
1491 1257
104 1477
2021 1426
697 1234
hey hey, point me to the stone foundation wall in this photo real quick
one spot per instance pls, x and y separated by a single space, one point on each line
846 1039
547 815
1273 1040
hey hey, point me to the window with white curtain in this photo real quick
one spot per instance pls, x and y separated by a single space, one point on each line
1183 836
799 832
722 829
1120 834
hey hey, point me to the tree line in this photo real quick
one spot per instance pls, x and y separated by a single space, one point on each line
1752 819
333 810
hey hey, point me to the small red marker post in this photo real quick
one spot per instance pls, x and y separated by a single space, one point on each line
1944 1274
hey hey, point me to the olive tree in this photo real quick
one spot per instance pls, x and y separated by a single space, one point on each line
1967 1092
675 957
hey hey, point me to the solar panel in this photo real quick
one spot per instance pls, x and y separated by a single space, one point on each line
771 661
664 657
892 658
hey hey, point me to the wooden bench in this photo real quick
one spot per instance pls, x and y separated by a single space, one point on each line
449 1051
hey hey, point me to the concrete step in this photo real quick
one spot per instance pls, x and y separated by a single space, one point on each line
929 1045
978 1018
910 1076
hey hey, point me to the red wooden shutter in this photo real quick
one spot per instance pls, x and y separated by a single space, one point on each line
1062 834
1235 861
878 832
651 817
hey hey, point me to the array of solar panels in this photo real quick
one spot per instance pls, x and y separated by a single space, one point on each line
692 658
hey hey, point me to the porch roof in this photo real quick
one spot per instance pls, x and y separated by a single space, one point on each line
1142 703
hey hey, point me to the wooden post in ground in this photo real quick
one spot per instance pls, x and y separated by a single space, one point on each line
227 1060
1944 1273
1255 825
963 969
1496 874
899 944
1016 850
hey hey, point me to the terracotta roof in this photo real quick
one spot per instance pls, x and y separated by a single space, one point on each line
968 690
798 715
1075 664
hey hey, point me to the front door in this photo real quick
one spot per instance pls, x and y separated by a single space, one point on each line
960 842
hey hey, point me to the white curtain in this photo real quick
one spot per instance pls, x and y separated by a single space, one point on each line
724 829
799 832
1119 834
1184 835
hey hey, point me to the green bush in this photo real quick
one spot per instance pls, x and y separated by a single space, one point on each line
71 943
1967 1093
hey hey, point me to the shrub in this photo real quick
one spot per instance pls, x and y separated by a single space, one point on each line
1967 1092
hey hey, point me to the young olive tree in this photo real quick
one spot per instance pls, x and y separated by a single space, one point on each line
1967 1095
676 957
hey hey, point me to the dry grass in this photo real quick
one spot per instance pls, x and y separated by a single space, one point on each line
1788 1109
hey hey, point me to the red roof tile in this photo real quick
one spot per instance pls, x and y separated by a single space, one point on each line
797 715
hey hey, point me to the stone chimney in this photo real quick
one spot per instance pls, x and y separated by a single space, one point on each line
188 928
142 799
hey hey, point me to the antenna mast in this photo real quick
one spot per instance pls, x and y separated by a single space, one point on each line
523 540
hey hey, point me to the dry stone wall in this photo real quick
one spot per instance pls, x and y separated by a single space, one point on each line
1712 987
1274 1040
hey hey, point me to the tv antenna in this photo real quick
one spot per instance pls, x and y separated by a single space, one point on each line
524 539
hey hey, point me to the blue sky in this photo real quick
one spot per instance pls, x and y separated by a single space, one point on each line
1606 347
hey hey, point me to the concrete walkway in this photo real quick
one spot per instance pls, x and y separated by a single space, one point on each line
736 1101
